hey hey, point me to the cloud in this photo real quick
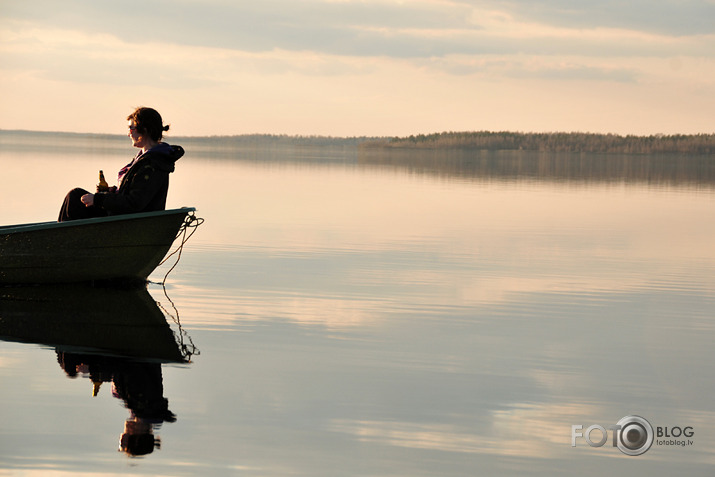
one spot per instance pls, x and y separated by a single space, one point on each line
665 17
248 26
71 55
192 43
523 430
370 61
392 29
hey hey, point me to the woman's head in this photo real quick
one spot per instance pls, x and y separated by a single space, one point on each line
147 122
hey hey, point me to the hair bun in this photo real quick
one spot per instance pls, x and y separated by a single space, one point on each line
165 128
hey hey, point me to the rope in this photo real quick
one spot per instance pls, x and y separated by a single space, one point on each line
186 350
190 222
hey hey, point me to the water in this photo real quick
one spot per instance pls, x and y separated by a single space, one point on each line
378 315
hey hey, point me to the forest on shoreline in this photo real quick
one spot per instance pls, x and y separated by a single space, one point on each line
698 144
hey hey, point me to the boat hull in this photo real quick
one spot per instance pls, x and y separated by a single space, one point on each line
121 247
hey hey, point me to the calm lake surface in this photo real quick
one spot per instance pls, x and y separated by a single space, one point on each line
354 314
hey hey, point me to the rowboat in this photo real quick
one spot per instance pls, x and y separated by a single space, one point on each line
85 319
119 247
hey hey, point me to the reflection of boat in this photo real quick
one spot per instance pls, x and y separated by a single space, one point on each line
116 247
107 335
81 318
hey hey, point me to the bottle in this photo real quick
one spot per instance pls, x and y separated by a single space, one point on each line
102 186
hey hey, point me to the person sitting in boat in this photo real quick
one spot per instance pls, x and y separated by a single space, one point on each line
143 183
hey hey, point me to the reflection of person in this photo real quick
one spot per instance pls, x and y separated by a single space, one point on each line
138 384
138 438
143 183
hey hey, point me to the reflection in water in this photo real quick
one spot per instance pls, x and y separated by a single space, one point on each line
138 383
380 320
107 335
102 320
652 169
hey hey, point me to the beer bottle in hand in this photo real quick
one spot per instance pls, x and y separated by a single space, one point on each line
102 186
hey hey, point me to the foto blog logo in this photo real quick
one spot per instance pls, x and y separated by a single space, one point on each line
633 435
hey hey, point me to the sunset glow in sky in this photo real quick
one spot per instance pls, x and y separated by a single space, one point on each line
354 68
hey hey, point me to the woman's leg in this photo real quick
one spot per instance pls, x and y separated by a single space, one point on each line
73 208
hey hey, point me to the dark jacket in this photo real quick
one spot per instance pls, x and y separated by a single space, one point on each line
145 185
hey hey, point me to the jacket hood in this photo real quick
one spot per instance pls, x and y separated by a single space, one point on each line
163 156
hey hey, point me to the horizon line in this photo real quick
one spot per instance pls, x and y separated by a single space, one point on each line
319 136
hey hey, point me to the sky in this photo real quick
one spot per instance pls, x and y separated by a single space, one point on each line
360 67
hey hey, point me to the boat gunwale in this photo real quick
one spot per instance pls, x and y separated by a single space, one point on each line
19 228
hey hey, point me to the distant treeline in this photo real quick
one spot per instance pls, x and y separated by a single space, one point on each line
241 140
552 142
276 140
698 144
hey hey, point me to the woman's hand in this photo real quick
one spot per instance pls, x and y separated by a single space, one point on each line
87 199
